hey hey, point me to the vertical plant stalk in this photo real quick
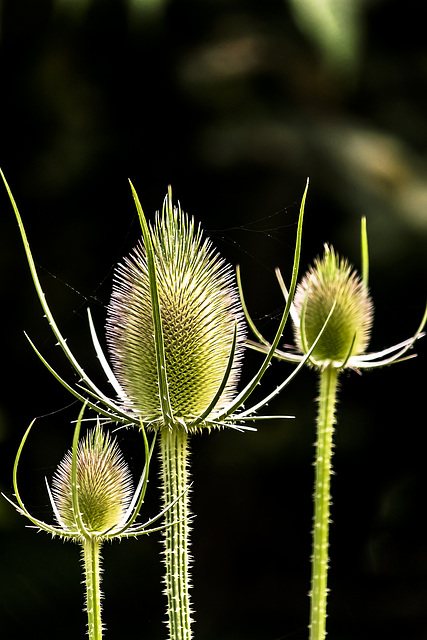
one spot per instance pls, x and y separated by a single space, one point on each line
91 550
177 558
322 496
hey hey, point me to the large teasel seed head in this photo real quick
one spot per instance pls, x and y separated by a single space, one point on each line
104 485
333 281
199 307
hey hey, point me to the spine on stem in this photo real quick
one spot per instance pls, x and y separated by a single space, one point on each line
322 496
177 558
91 549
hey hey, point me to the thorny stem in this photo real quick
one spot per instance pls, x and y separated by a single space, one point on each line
319 566
174 470
91 547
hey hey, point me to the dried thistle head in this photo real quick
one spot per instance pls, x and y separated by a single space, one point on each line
105 487
175 330
199 310
332 283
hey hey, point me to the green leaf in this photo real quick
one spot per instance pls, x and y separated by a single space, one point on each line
165 402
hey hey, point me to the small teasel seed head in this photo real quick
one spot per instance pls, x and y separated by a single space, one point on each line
104 484
333 281
199 307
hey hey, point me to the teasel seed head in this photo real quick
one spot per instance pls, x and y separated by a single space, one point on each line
199 307
104 485
332 281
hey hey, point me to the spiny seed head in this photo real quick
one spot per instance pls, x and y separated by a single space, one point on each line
330 281
104 484
199 309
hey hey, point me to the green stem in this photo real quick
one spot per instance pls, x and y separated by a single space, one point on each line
325 429
174 458
92 564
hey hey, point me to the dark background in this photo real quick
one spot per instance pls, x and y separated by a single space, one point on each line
234 103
